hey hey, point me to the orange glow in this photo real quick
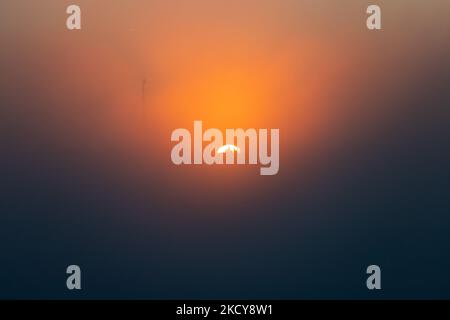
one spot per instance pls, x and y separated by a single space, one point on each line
290 65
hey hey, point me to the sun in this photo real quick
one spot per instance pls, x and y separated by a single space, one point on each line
228 147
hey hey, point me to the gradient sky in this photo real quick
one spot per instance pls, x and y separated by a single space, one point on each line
364 152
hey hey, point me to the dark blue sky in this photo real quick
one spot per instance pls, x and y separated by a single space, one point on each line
382 199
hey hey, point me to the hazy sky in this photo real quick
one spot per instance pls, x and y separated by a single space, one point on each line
363 119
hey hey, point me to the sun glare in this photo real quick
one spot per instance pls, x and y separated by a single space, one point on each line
228 147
